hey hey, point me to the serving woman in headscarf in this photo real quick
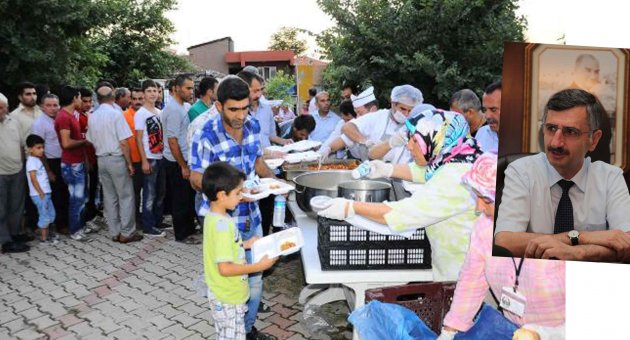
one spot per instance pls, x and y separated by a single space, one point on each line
443 151
540 282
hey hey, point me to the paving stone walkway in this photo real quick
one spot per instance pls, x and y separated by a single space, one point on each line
141 290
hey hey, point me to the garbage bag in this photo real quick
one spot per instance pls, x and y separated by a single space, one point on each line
315 322
199 285
378 320
490 324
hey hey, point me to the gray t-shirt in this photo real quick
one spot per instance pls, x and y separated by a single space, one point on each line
175 123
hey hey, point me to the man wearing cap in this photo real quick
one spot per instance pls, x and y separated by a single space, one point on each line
371 129
362 104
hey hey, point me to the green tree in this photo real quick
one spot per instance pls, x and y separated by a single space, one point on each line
287 38
80 41
136 39
437 46
278 87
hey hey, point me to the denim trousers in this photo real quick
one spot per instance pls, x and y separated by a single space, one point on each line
153 194
74 175
255 283
45 209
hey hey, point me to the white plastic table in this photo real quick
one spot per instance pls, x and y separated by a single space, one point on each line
350 285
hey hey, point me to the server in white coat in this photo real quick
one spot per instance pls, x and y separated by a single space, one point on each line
373 128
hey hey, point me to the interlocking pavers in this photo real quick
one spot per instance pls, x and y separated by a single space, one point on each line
29 334
143 290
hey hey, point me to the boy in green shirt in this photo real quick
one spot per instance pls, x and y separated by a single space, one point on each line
225 267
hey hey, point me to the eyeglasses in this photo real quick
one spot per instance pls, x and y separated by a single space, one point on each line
491 109
567 131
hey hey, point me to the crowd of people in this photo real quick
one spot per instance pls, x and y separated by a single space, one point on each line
138 152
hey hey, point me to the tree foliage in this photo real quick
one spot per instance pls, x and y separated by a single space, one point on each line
279 86
80 41
287 38
437 46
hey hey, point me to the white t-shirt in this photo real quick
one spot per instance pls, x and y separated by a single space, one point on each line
152 132
35 164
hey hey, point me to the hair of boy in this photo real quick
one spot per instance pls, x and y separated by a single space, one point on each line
85 92
148 83
67 95
33 140
206 84
302 122
221 176
347 108
233 88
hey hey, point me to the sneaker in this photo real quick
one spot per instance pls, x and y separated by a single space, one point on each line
256 335
52 241
165 226
91 227
154 233
79 236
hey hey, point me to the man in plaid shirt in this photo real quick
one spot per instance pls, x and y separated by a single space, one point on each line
234 137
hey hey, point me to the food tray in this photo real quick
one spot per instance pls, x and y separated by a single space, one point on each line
298 157
301 146
343 246
271 245
265 184
430 301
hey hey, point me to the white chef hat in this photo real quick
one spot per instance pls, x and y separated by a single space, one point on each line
407 94
363 97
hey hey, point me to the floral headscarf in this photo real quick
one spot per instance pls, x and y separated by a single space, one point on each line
443 137
482 178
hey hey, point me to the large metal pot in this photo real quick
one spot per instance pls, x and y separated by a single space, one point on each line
364 190
313 184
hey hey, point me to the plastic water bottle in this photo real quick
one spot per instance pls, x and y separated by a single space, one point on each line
362 170
279 207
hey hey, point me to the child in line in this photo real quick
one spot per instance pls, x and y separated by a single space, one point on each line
225 267
39 186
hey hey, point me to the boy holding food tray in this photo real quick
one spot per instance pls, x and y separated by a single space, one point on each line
225 266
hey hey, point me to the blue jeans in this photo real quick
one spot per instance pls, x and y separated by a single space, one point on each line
74 176
255 283
45 209
153 192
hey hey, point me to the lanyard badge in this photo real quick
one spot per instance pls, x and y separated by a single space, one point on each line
511 299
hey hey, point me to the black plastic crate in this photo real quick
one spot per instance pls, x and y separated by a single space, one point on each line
342 246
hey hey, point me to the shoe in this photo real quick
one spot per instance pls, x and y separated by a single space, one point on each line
190 240
135 237
53 237
79 236
15 247
154 233
263 308
91 227
165 226
256 335
23 238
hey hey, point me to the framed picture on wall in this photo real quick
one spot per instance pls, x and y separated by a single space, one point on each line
601 71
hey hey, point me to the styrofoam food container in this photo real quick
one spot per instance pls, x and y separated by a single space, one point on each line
271 244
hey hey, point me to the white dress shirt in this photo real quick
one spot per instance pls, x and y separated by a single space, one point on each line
107 127
531 195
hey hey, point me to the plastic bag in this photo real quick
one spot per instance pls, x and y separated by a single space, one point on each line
199 285
490 324
378 320
314 321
